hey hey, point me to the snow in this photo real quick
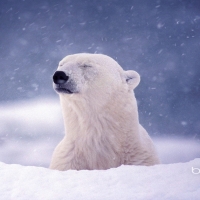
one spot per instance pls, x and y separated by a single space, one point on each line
33 126
170 181
29 132
172 150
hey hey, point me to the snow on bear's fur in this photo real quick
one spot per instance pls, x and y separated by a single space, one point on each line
100 114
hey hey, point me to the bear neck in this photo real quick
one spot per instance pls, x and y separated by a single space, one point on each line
83 118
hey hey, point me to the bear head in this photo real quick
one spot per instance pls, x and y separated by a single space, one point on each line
92 74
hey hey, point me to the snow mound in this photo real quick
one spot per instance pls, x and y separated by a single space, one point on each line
169 181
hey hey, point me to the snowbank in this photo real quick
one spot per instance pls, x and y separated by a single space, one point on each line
33 126
171 182
29 131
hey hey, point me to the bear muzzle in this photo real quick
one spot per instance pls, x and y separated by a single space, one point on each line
63 84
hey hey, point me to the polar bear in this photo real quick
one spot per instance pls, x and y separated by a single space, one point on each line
100 114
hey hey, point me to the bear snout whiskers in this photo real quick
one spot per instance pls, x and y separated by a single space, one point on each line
60 77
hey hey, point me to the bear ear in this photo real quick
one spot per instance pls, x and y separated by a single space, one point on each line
132 78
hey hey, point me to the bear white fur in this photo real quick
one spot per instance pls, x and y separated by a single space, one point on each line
100 114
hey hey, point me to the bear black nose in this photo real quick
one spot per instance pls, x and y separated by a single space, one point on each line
60 77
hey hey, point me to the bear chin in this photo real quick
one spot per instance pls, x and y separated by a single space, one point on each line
64 90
